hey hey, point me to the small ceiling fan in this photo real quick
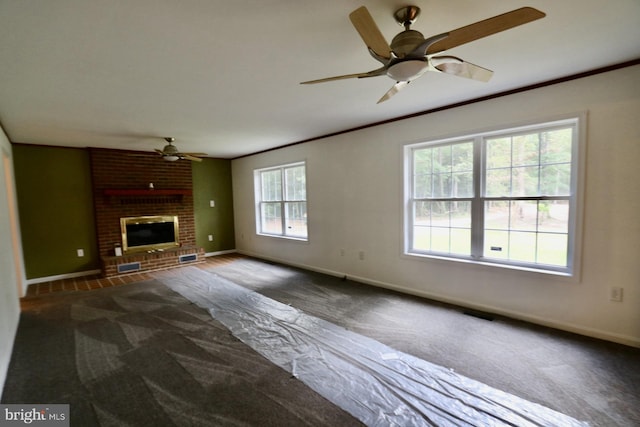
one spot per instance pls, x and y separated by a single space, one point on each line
410 55
170 153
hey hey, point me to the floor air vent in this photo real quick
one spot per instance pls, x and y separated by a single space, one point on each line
479 314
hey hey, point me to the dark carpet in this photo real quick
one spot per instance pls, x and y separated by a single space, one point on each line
142 355
588 379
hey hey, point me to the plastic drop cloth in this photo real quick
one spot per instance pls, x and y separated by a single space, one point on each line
373 382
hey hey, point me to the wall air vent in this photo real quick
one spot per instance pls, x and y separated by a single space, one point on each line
188 258
129 267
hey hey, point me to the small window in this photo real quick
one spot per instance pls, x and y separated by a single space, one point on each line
281 201
506 197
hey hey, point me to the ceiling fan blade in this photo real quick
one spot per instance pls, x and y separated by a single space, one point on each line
369 32
486 28
460 68
160 152
189 157
394 89
379 72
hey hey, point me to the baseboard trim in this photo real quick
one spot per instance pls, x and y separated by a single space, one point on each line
62 276
230 251
550 323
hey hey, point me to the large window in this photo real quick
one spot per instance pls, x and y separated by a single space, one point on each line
506 197
281 201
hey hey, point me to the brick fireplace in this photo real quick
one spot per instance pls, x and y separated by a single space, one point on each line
121 187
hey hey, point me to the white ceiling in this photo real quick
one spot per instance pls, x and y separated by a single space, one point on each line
222 77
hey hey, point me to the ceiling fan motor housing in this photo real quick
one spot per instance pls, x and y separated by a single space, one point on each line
405 42
170 150
405 67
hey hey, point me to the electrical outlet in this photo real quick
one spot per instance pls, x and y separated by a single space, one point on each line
212 203
211 237
615 294
80 253
341 252
361 255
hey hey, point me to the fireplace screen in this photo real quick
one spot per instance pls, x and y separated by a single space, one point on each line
149 233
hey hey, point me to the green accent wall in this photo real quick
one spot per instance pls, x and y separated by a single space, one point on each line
212 181
56 210
55 204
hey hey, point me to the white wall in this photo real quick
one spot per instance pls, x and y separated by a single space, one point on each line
354 184
10 262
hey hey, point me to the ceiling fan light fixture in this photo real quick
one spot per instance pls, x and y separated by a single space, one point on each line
407 70
171 158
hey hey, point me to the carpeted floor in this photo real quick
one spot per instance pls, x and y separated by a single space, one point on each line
141 354
588 379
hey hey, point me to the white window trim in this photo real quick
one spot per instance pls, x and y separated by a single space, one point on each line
573 269
258 201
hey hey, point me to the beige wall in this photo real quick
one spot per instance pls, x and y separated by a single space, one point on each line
11 269
355 203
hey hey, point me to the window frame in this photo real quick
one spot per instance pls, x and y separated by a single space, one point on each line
283 202
477 229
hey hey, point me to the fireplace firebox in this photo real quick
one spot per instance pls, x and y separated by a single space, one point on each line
149 233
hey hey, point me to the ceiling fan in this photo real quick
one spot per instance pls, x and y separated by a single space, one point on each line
410 55
170 153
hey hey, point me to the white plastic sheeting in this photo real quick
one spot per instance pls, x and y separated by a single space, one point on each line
373 382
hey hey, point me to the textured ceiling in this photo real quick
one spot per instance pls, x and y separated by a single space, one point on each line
223 77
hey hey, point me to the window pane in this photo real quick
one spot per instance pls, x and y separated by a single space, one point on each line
522 246
296 183
555 180
440 239
497 215
552 249
498 153
296 221
524 181
555 146
422 186
498 183
460 241
421 238
442 226
440 214
554 216
271 185
442 159
271 218
460 214
496 244
422 161
525 150
422 213
462 157
463 184
524 215
442 185
443 171
525 231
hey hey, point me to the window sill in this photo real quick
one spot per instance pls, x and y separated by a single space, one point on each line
279 236
492 265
